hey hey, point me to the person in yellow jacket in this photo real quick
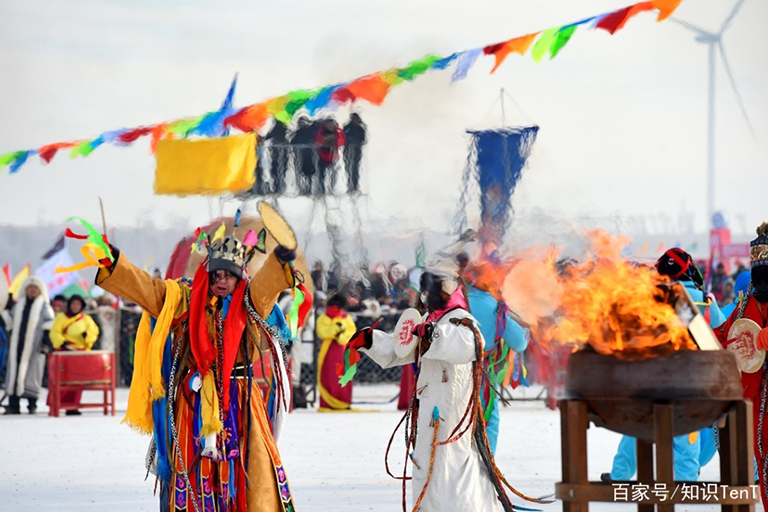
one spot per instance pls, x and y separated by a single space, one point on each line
73 330
335 327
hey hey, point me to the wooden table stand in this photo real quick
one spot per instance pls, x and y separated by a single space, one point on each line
735 492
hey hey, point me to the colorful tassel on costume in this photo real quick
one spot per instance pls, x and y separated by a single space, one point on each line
95 249
302 304
348 371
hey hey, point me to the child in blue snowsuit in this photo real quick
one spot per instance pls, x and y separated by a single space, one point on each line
690 451
485 309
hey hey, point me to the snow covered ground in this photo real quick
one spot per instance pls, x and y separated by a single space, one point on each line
335 461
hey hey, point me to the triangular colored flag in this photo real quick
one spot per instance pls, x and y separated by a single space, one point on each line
20 160
615 21
48 152
544 43
248 119
561 39
665 7
517 45
372 89
219 234
465 61
15 285
57 246
7 272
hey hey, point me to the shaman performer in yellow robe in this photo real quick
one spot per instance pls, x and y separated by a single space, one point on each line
193 383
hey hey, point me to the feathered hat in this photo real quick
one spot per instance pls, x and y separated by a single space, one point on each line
229 253
759 247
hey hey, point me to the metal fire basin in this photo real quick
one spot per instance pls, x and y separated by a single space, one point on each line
700 385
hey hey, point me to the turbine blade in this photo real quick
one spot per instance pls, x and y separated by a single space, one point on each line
730 17
728 72
691 27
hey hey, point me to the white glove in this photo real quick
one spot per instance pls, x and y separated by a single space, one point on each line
196 383
209 447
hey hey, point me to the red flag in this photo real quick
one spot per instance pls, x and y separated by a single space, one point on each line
134 134
616 20
48 152
342 95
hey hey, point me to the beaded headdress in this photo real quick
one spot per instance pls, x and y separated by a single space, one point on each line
229 253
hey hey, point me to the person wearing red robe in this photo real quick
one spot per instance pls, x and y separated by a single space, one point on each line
754 306
335 327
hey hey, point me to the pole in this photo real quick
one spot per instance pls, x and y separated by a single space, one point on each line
711 135
503 117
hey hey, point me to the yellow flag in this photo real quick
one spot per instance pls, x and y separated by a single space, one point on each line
219 234
15 285
206 166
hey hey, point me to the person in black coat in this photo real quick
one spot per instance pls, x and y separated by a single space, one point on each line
353 150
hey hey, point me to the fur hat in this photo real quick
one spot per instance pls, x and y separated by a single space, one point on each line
446 263
34 281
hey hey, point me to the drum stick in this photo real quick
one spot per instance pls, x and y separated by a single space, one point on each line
103 219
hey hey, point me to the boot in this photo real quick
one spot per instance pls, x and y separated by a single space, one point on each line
32 407
299 397
13 405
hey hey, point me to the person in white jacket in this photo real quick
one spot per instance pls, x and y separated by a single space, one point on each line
451 471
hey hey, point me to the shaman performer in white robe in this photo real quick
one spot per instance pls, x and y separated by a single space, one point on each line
451 471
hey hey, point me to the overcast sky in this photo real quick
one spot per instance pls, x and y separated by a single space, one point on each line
623 117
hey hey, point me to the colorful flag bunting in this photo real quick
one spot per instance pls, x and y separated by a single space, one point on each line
372 88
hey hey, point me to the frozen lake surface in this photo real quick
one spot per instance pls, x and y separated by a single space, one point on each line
335 461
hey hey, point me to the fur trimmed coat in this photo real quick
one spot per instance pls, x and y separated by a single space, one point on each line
24 378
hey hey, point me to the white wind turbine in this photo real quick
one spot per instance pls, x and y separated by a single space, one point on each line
715 43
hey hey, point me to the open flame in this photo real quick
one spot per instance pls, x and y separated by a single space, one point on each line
613 305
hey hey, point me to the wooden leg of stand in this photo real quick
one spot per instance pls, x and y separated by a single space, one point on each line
663 426
729 467
573 426
645 469
743 453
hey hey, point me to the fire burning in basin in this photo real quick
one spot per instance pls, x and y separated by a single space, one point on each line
606 302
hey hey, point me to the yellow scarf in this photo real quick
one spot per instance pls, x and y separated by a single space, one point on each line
147 381
209 406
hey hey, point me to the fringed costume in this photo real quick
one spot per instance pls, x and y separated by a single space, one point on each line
445 433
193 385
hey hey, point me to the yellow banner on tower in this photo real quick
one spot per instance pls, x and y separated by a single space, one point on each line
206 166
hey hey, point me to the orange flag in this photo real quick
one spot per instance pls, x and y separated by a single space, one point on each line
666 8
373 89
249 118
517 45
